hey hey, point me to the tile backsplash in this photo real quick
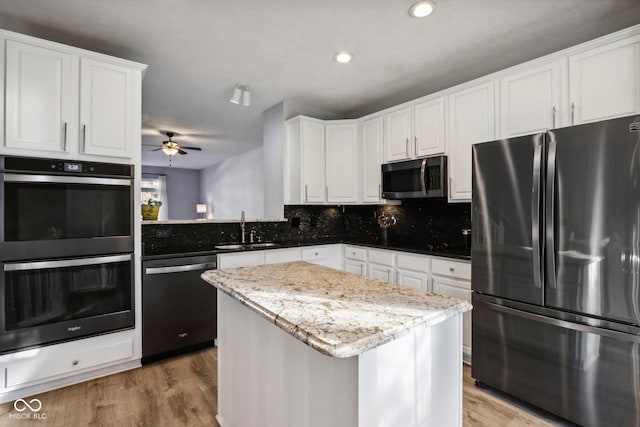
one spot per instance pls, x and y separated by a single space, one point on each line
425 223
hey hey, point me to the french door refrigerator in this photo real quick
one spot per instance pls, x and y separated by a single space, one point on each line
556 270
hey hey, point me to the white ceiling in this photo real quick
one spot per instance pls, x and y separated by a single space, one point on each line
197 50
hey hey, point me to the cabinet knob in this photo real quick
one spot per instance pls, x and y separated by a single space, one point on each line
75 362
451 269
316 254
353 253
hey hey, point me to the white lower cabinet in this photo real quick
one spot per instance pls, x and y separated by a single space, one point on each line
355 267
327 255
381 272
453 278
413 271
240 259
413 279
381 265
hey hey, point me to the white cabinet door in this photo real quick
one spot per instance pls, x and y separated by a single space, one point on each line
605 82
106 109
456 289
372 149
313 161
531 101
397 134
355 267
39 98
342 161
471 119
429 128
382 272
240 259
413 279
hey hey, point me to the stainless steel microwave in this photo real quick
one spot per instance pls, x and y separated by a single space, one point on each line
413 179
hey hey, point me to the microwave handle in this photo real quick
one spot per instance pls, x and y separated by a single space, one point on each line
424 176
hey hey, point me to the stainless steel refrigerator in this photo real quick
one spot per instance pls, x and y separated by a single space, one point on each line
556 270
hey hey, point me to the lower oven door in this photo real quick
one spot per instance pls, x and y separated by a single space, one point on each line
57 300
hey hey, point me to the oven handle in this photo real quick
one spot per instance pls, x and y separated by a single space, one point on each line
14 177
40 265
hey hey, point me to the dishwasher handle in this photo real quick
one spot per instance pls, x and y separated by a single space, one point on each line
179 268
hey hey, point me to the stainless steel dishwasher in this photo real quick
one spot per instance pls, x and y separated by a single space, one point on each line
178 307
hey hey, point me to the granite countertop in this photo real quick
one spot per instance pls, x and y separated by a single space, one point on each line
159 253
337 313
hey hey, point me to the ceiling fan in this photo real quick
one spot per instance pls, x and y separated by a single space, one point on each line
171 148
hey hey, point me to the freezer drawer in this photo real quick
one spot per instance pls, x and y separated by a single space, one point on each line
588 375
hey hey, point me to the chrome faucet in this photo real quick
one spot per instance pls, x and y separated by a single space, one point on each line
242 227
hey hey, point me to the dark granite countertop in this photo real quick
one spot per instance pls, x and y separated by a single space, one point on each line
441 251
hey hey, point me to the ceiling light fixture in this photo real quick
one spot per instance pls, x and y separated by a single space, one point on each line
242 94
343 57
422 9
169 149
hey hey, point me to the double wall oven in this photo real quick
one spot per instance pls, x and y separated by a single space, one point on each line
66 250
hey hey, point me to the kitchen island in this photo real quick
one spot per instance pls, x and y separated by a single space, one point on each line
347 350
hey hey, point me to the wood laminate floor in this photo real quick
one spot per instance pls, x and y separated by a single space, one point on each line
182 391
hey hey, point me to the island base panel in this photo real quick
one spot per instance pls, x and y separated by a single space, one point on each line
268 378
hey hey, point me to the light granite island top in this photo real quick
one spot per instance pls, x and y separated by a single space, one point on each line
336 313
301 344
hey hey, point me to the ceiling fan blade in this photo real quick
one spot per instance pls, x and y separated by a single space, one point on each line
157 149
191 148
182 152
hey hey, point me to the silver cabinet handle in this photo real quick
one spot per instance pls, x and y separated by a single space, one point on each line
407 148
48 179
415 145
182 335
380 191
326 192
451 269
84 138
306 193
64 137
179 268
573 109
75 362
553 118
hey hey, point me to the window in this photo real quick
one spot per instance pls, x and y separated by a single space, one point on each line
154 187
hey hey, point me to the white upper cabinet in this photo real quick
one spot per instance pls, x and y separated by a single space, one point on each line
532 101
429 128
106 107
397 135
39 95
313 161
604 82
415 131
372 149
471 120
67 102
342 161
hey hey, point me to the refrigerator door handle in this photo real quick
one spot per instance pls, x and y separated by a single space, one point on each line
620 336
535 215
550 251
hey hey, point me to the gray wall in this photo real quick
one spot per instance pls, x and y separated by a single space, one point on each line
273 142
183 190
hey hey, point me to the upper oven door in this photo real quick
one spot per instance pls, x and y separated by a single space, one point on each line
54 216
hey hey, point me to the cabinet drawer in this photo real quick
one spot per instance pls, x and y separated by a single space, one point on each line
381 257
355 252
45 366
413 262
247 259
310 254
443 267
274 256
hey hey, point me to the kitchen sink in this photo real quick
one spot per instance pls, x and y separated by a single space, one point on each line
247 245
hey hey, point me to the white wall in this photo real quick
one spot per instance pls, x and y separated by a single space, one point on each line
235 185
273 143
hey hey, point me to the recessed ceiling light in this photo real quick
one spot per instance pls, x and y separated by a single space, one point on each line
422 9
343 57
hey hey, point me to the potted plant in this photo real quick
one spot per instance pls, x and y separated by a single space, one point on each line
151 209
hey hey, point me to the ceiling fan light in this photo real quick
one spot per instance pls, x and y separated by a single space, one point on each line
169 151
237 94
246 97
